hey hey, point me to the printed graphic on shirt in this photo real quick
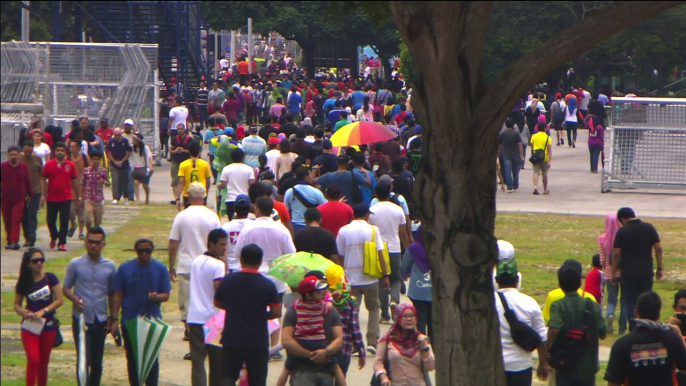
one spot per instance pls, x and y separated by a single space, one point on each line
648 354
40 295
233 237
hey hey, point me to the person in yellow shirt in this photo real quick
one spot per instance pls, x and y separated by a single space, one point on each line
192 170
542 141
558 293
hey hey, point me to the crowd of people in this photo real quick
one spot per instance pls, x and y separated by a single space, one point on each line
282 187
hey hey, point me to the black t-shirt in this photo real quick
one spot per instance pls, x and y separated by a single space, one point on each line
265 131
300 147
185 143
636 239
407 134
402 185
245 297
314 150
416 159
510 140
316 240
288 129
328 161
332 319
646 357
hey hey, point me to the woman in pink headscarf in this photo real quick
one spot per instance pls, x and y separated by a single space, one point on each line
404 356
606 243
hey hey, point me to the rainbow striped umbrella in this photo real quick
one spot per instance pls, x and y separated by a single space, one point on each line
361 133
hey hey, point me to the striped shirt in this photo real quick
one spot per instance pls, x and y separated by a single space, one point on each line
91 180
254 147
203 94
310 324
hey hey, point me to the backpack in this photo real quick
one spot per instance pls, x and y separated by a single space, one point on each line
559 115
568 348
357 192
522 334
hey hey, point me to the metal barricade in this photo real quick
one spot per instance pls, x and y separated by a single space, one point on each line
70 80
647 144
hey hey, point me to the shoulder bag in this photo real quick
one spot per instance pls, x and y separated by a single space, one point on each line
568 348
302 199
522 334
372 265
538 155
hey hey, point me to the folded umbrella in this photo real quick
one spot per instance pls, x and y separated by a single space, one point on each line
82 370
291 268
147 336
361 133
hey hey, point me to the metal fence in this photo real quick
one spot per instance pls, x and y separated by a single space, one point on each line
71 80
647 144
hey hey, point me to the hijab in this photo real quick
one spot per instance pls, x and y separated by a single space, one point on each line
419 253
405 341
607 239
338 287
571 106
306 122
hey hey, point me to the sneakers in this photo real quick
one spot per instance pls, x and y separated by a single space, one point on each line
276 357
610 327
562 142
509 190
126 202
385 320
371 350
82 236
16 247
62 248
53 243
187 357
536 192
114 202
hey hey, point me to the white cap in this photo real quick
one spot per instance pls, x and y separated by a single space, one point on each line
506 250
129 122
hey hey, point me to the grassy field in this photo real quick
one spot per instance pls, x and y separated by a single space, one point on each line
542 243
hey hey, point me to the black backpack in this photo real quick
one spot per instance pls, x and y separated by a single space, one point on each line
522 334
568 348
357 192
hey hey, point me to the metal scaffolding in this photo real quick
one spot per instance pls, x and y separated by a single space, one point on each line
647 144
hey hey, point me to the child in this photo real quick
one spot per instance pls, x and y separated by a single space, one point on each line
595 280
311 310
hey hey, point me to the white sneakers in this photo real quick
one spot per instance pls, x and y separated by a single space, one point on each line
114 202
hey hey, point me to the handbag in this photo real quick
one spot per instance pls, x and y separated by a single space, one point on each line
387 365
139 173
372 265
522 334
58 337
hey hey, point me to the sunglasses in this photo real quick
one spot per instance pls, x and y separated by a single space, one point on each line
95 242
144 250
39 260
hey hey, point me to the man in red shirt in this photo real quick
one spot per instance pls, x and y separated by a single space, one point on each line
243 71
105 132
61 188
335 214
15 188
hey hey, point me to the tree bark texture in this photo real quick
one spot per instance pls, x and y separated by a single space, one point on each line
455 192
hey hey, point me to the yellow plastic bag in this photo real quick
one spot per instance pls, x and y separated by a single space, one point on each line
372 265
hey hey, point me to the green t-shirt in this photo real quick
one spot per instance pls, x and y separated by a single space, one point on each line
340 124
568 312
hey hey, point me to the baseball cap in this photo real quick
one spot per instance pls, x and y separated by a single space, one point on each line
507 267
558 96
311 284
343 158
326 144
242 202
417 129
129 122
273 141
228 131
103 119
196 189
506 250
360 210
253 129
385 180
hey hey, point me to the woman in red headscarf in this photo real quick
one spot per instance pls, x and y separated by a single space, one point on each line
404 356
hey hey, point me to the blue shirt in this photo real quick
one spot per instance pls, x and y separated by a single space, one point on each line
253 147
92 282
294 102
420 283
329 102
209 134
344 181
357 98
368 191
286 84
296 208
136 282
335 116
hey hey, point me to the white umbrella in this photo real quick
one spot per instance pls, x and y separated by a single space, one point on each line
83 369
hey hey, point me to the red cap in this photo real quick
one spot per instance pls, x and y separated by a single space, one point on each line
310 284
273 141
558 96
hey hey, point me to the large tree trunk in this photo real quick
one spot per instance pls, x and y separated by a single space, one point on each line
308 55
455 191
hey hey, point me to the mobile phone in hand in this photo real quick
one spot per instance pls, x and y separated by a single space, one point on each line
117 338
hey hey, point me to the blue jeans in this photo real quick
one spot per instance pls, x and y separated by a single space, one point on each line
632 288
511 167
612 295
595 155
394 292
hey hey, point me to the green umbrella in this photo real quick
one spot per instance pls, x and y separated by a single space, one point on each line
291 268
147 336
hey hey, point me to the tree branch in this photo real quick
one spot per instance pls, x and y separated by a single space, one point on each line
567 44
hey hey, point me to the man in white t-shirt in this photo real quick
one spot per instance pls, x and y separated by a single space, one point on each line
390 219
233 228
237 178
583 104
187 240
350 242
517 360
178 115
207 271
